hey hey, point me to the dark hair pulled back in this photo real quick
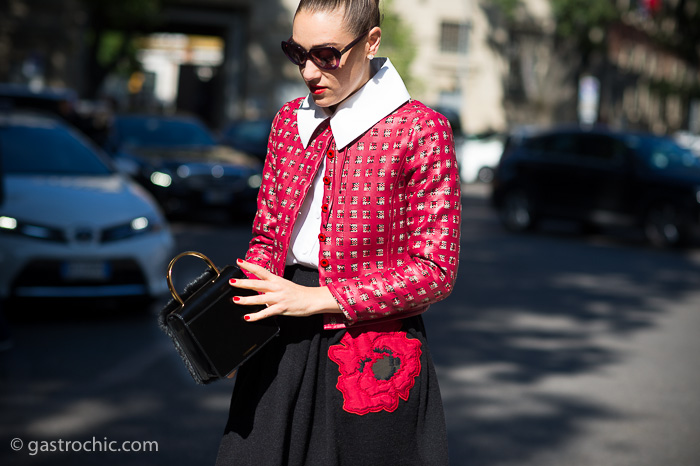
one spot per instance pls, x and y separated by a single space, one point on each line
359 15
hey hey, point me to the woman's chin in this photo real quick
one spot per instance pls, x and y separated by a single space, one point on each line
324 100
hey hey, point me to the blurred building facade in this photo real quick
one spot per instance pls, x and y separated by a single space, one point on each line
496 74
40 41
646 85
221 59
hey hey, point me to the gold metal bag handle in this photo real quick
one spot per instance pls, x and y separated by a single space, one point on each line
170 271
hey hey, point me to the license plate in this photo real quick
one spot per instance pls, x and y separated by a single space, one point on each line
217 196
85 270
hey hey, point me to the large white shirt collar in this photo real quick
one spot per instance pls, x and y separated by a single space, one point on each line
381 95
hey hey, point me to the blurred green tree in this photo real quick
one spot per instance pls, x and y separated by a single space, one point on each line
398 43
581 23
673 24
112 27
584 22
677 26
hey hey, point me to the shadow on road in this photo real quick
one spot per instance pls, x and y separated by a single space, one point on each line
530 315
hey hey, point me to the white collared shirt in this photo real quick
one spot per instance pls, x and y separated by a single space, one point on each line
382 94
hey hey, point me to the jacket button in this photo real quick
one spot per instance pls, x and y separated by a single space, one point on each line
324 262
322 237
324 208
330 154
326 180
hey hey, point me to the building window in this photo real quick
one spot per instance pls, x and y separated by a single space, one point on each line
454 37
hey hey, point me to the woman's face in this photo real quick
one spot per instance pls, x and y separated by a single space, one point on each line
330 87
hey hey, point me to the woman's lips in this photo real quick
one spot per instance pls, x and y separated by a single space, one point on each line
316 90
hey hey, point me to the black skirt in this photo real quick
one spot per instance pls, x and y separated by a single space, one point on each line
365 396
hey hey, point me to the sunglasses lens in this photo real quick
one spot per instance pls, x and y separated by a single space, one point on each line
326 58
295 53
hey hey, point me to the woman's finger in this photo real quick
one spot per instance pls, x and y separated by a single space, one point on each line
259 271
263 314
254 300
260 286
264 278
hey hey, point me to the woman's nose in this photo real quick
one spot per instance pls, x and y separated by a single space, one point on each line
309 70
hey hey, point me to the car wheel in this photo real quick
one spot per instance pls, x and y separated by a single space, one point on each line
485 175
662 226
516 211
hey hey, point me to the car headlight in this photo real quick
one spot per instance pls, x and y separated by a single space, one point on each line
161 179
8 223
136 227
13 226
255 181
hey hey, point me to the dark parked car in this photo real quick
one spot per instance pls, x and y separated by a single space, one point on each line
249 136
177 159
57 101
599 178
90 117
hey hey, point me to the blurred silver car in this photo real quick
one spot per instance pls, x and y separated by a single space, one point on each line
478 157
71 226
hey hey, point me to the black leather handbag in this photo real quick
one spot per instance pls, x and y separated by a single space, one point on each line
208 328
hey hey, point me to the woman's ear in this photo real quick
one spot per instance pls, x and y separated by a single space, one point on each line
375 38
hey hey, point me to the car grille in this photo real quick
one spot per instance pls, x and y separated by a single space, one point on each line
48 278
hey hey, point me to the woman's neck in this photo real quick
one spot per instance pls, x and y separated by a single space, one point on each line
331 109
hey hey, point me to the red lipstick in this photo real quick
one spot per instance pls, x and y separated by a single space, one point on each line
316 90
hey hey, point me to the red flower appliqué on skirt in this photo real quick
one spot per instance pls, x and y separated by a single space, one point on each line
377 367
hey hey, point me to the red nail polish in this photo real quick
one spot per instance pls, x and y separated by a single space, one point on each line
236 298
239 260
246 317
232 281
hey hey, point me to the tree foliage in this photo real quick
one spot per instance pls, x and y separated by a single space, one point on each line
113 25
578 22
674 24
397 42
677 27
123 14
579 19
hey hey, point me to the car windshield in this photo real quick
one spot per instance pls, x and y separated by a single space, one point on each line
47 150
665 154
154 132
249 131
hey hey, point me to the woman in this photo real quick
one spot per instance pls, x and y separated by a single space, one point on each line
356 234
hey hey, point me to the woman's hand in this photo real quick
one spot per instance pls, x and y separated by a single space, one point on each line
282 296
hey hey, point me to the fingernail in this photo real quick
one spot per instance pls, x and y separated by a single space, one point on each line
239 261
236 298
232 281
246 317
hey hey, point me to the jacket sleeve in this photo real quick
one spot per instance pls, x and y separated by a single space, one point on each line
426 236
261 247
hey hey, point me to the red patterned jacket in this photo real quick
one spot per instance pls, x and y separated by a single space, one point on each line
390 234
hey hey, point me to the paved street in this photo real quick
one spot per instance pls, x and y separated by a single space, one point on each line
554 350
559 350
